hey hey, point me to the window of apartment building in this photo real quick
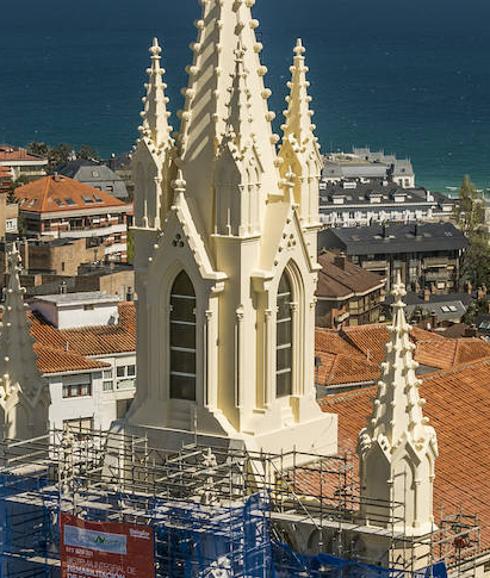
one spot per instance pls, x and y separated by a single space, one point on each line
107 383
77 386
126 370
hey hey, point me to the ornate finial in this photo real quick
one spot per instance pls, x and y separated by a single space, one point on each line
299 49
179 186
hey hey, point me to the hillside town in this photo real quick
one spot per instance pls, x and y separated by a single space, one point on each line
276 358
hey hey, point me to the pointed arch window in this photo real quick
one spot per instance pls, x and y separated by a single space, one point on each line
284 340
183 339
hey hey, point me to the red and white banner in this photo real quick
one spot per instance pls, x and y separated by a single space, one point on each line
105 549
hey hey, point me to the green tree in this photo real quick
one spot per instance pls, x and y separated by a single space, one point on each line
59 155
476 261
470 210
40 149
87 152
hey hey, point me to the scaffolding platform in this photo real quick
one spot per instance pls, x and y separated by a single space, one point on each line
215 512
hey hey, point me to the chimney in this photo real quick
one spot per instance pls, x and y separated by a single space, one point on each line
385 230
416 230
427 295
129 294
339 261
433 319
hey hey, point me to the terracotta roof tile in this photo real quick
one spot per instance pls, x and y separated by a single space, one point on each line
354 354
58 193
50 361
14 154
71 350
462 470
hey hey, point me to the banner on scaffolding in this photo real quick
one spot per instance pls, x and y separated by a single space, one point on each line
105 549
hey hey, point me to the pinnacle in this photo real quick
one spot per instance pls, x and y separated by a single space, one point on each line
155 116
298 125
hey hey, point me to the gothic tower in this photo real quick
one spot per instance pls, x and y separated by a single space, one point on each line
24 394
398 449
225 243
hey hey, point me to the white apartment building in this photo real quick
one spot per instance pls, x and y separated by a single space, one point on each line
85 343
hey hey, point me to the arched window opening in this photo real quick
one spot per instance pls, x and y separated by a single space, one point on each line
284 346
183 339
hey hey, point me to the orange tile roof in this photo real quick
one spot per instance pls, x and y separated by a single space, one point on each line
72 349
458 406
13 154
90 341
58 193
50 361
354 354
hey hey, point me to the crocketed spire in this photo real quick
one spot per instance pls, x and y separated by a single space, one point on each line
300 151
205 119
298 123
24 395
398 433
155 116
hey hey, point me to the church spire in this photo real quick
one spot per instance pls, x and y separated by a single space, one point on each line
155 116
300 152
224 24
21 384
398 432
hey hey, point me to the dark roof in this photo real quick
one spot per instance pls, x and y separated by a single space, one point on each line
71 168
360 195
337 282
483 324
446 307
394 238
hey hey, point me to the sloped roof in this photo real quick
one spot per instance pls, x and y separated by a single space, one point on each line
60 351
51 361
91 341
57 193
458 406
11 154
336 282
354 354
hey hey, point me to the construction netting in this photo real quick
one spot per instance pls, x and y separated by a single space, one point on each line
192 539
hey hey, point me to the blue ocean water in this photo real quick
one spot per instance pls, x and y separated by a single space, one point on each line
412 77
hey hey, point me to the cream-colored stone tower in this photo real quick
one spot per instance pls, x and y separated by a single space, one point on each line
225 243
398 449
24 394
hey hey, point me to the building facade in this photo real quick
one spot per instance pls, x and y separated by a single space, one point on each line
428 255
85 347
347 295
21 163
62 208
352 203
364 165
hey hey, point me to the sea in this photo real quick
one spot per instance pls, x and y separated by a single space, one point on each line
411 77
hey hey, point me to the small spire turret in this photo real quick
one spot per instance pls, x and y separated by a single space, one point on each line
300 152
398 434
155 115
21 383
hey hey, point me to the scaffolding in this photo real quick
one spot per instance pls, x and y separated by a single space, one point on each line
216 512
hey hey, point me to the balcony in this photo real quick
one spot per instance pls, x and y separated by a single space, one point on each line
93 231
